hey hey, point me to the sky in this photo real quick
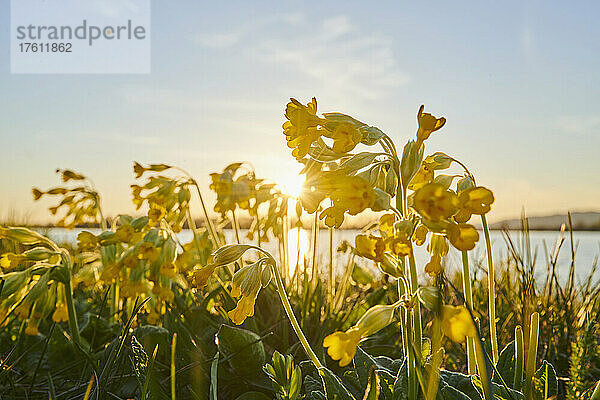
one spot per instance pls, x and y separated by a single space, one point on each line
517 81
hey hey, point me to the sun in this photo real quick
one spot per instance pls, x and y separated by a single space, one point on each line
292 185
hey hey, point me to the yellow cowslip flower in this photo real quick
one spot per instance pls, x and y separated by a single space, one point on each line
341 346
68 175
462 236
434 266
168 269
475 200
130 261
37 193
22 310
399 245
134 288
386 224
86 241
420 235
246 283
163 293
351 194
200 275
32 327
457 323
423 176
371 247
427 124
156 214
434 202
136 192
438 248
110 272
345 137
138 170
230 192
147 251
9 261
60 314
124 233
301 128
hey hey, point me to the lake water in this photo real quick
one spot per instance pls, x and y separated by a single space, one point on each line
587 248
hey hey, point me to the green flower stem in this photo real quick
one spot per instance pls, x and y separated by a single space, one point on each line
491 290
416 311
73 325
315 243
209 224
290 313
412 366
519 358
331 275
403 290
534 327
468 291
236 227
487 393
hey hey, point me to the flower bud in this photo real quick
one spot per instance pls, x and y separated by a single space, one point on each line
376 318
412 156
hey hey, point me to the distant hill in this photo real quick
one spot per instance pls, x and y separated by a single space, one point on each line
582 221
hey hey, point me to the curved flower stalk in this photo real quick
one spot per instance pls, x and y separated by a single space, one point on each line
427 203
247 282
38 282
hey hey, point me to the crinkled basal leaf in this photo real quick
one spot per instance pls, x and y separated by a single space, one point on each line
545 382
498 391
372 391
460 382
334 388
244 349
506 365
363 363
450 393
401 383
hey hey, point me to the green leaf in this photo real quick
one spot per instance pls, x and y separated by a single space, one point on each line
334 389
460 382
545 382
214 367
447 392
363 364
372 390
243 349
401 383
386 384
506 365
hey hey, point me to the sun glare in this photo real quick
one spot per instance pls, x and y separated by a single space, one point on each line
292 185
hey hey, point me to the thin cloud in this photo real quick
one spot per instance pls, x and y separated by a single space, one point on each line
337 57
